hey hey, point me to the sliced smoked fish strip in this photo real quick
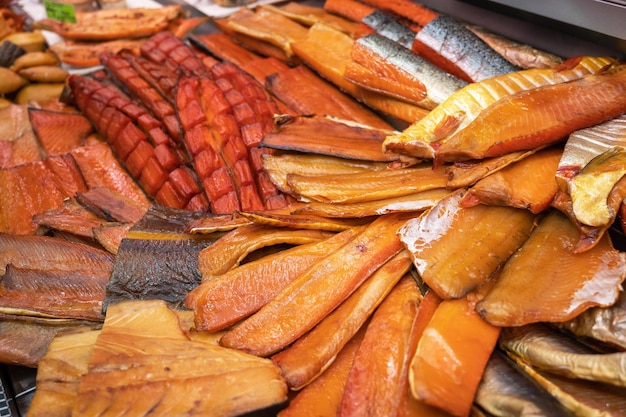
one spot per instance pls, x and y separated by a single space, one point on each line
254 110
262 68
400 110
25 342
565 288
279 165
597 323
375 383
160 371
124 73
416 202
350 9
367 186
505 187
100 168
311 354
410 406
201 144
422 138
451 356
112 205
550 113
453 47
225 48
437 243
256 44
318 291
328 136
322 397
59 132
267 26
309 15
306 93
465 174
85 54
138 139
585 144
18 142
327 51
228 251
302 221
35 187
428 85
53 294
51 254
72 218
243 290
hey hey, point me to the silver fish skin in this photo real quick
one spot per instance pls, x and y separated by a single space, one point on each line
387 26
461 46
439 84
504 391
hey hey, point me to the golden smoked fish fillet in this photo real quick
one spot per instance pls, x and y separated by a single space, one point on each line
144 364
462 107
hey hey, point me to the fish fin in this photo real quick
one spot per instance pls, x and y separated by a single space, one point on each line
448 125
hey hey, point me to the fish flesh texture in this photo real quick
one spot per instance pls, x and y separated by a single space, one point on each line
539 117
160 371
306 93
328 136
35 187
59 132
568 282
392 61
423 137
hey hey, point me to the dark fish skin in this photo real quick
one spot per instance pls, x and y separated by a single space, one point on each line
506 391
459 45
158 259
439 84
387 26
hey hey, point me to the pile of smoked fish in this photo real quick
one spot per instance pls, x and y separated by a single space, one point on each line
367 208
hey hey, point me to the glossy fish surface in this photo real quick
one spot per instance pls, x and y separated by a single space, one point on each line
454 42
423 137
383 24
392 60
568 284
539 117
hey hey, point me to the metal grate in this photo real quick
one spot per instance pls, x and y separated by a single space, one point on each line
5 411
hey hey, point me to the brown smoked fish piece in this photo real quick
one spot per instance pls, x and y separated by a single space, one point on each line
311 297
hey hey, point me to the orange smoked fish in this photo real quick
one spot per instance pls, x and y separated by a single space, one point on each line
462 107
539 117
